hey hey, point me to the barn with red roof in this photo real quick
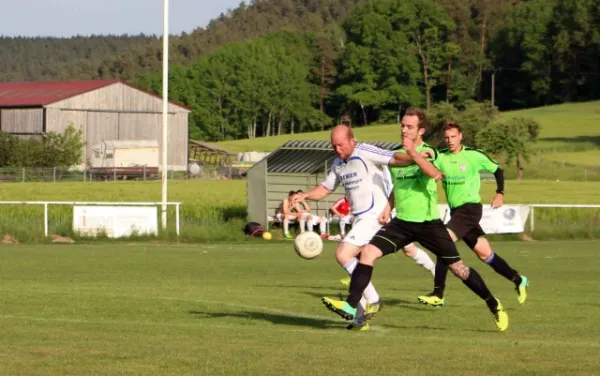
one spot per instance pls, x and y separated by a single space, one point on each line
105 110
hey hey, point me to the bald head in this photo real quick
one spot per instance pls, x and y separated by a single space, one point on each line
342 130
342 141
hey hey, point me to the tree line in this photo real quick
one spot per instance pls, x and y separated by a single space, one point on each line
387 55
283 66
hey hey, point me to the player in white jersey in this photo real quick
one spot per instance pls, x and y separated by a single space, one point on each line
358 168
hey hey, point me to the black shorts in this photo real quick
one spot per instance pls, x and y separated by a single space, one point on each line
431 234
464 223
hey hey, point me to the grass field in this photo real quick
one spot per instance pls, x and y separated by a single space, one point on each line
589 158
253 309
570 134
564 127
216 210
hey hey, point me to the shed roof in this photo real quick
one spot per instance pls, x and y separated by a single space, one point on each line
42 93
210 147
310 157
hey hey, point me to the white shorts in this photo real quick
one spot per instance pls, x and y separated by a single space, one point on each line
363 229
279 216
347 219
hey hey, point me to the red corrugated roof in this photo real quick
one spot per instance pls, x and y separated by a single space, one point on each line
45 92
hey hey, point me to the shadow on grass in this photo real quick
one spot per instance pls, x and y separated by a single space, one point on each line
275 318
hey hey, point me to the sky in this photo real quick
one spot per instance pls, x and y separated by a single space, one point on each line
66 18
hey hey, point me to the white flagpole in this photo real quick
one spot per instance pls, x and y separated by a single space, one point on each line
165 108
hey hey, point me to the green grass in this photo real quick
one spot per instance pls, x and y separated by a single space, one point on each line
253 309
216 210
564 127
582 158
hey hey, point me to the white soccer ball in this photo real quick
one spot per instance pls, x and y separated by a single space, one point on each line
308 245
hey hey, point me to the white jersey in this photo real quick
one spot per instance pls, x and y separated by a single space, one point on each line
362 177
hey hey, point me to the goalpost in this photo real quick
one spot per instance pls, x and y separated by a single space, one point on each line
165 113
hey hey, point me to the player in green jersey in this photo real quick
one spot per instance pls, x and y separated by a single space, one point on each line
417 219
461 167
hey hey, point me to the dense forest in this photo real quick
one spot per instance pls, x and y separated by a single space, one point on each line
283 66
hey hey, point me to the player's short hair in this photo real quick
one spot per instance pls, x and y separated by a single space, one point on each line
452 125
419 113
299 191
291 193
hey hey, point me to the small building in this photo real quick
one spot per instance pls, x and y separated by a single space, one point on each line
105 110
293 166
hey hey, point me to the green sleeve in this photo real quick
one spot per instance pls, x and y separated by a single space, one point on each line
484 161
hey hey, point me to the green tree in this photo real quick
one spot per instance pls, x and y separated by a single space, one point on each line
514 138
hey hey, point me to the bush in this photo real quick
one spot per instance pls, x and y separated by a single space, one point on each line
53 150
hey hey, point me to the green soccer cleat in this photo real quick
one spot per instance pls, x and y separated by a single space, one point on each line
358 327
522 289
500 317
340 307
371 310
288 236
345 281
432 300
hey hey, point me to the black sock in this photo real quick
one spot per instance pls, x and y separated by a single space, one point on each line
439 280
361 276
501 267
477 285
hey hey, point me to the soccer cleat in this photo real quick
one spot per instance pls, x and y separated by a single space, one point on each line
432 300
288 236
371 310
345 281
500 317
358 327
340 307
522 290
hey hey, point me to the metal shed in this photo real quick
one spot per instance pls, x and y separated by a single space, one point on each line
103 109
294 165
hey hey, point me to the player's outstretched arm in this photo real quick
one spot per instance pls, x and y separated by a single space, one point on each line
401 159
317 193
427 167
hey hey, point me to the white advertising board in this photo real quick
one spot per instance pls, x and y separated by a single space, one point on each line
115 221
508 219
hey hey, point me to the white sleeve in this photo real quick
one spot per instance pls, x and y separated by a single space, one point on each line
377 156
388 184
333 179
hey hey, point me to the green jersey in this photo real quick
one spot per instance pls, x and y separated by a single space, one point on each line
461 180
415 193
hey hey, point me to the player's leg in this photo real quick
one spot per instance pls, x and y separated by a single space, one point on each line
323 226
477 242
362 231
420 256
302 221
286 224
435 237
456 228
383 243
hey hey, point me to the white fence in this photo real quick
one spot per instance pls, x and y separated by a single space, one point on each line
94 203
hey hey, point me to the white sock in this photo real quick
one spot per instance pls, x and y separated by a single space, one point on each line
370 293
323 226
302 223
342 228
422 258
286 226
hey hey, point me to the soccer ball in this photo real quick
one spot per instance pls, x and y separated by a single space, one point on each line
266 235
308 245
